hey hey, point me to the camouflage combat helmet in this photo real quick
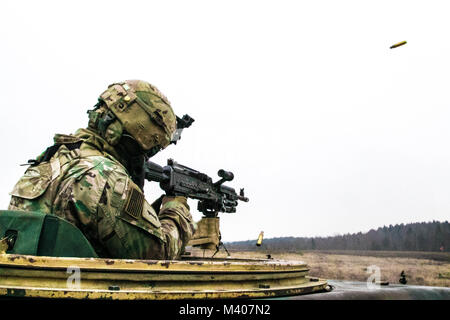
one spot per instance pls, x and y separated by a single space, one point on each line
138 108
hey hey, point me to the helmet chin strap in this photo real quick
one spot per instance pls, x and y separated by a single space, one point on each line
135 157
137 170
129 145
150 153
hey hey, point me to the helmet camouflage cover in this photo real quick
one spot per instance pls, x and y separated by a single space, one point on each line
144 112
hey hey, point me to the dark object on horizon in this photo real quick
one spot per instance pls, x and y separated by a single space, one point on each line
398 44
402 278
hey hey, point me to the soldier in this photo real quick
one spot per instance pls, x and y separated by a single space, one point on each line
95 177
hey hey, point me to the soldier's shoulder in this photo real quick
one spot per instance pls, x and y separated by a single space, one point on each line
104 167
97 177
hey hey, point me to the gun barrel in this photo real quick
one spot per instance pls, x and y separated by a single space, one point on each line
245 199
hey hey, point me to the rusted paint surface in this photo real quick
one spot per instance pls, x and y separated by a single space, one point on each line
161 295
211 265
47 277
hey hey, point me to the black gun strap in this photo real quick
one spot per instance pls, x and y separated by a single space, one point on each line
157 204
50 151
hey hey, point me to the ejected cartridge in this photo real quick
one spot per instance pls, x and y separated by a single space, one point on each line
398 44
260 239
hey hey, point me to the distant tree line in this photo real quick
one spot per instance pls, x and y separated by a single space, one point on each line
424 236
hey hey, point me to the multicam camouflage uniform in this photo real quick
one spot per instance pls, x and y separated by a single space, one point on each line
86 184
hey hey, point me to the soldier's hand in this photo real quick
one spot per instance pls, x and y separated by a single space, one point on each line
179 199
177 203
172 201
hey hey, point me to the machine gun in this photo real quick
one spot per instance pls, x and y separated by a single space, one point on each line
214 197
178 180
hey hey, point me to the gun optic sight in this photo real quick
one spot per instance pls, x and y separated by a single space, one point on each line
226 175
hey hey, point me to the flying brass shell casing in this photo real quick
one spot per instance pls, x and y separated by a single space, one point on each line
260 239
398 44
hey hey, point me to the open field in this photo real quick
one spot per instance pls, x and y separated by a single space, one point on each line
420 268
436 256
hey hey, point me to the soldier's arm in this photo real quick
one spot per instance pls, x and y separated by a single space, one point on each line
177 222
130 228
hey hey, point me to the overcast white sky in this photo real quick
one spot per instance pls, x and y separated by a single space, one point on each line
328 130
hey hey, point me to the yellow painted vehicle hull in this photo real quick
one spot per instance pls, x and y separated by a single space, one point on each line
193 278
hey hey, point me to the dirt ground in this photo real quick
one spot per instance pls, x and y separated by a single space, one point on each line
419 271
